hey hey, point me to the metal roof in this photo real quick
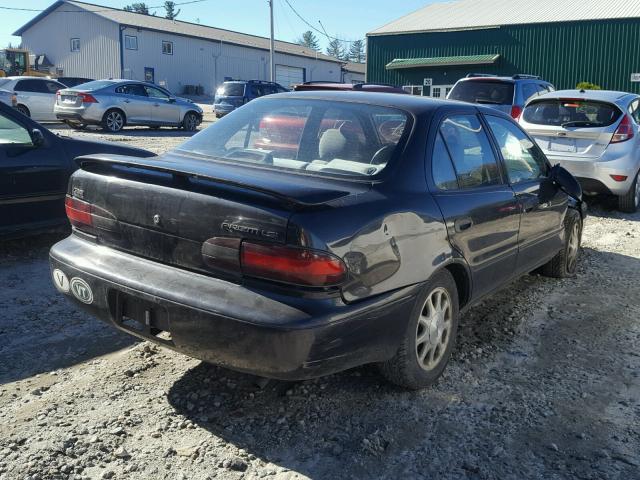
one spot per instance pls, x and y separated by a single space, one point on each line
161 24
356 67
478 14
397 63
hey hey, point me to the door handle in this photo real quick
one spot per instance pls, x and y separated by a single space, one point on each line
127 101
462 224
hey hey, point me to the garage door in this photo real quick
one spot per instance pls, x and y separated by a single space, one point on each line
288 76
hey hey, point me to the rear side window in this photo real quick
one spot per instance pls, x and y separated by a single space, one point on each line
468 145
571 113
529 90
488 92
444 176
523 159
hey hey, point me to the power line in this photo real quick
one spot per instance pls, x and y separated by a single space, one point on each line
312 27
17 9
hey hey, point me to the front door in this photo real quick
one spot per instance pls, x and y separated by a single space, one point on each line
33 179
164 109
542 205
480 209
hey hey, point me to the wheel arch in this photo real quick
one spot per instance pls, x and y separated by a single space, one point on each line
462 278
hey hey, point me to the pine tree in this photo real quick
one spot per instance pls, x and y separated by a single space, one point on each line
357 52
309 40
138 7
170 8
336 49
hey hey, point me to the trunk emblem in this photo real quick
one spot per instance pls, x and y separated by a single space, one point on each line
81 290
156 219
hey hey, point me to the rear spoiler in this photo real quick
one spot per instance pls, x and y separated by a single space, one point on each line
201 171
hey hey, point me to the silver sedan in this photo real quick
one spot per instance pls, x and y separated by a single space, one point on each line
113 104
595 134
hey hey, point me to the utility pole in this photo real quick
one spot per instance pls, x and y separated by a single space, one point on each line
272 46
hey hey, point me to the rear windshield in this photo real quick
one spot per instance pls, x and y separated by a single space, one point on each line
95 85
310 136
571 113
231 90
478 91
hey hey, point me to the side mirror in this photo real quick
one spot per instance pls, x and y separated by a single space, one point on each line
172 99
566 182
37 137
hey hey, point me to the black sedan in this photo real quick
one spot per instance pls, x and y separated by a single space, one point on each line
307 233
35 166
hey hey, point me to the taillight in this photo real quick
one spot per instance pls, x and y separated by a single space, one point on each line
298 266
87 98
78 212
516 111
624 131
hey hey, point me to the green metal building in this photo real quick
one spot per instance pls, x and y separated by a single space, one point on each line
563 41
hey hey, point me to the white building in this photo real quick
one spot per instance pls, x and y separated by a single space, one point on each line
93 41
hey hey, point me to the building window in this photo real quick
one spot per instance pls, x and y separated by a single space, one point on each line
75 44
130 42
167 48
413 89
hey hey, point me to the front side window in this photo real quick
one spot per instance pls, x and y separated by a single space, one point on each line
167 48
75 44
310 136
131 42
132 89
153 92
53 87
523 160
12 133
468 145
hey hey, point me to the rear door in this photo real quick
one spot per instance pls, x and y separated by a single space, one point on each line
542 206
30 93
480 209
33 180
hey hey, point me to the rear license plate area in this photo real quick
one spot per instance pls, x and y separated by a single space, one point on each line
68 99
564 145
140 316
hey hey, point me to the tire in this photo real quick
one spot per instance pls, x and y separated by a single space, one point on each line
565 262
23 110
406 369
630 202
113 121
190 122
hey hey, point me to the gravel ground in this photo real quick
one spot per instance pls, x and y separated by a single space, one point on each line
544 384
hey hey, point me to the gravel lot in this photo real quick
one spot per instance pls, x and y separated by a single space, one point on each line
544 384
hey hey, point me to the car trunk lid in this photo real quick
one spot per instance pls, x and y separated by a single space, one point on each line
166 208
68 98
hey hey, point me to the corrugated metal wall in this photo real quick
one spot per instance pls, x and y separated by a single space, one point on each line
99 55
602 52
207 63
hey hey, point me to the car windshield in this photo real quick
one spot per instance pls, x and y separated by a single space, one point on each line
488 91
571 113
310 136
231 90
94 85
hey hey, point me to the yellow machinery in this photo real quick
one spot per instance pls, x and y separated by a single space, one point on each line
16 61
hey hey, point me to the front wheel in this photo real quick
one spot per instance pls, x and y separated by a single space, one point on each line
430 336
565 262
630 202
190 122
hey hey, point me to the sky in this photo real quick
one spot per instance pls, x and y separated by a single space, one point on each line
345 19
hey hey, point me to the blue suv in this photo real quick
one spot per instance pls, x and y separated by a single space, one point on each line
235 93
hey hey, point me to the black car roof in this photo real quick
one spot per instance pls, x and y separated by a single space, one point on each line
410 103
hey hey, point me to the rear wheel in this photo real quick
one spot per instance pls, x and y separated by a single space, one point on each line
565 262
23 110
190 122
630 202
113 121
430 336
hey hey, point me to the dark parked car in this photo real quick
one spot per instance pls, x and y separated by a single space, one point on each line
507 94
71 82
360 245
35 166
354 87
235 93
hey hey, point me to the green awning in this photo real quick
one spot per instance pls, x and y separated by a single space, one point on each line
442 61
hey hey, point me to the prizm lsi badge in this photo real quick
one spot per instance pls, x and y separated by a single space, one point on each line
255 231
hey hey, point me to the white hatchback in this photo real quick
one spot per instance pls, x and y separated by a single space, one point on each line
36 96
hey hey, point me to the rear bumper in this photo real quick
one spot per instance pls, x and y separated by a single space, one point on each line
82 114
230 325
595 175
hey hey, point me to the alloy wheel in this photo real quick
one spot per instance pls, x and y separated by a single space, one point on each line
190 122
115 122
637 197
433 330
573 244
